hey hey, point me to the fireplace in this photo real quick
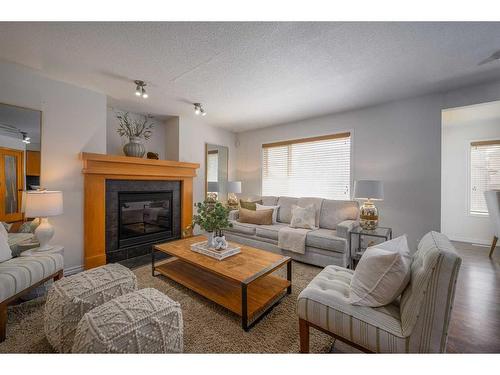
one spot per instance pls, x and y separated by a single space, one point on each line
144 217
140 214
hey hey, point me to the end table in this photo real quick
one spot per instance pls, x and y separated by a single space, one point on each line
379 232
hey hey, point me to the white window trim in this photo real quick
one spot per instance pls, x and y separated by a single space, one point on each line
468 151
351 156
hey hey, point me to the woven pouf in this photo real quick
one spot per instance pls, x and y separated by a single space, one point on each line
145 321
71 297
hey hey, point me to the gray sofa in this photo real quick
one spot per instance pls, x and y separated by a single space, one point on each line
324 246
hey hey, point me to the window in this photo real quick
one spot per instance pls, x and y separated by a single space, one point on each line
311 167
212 166
484 173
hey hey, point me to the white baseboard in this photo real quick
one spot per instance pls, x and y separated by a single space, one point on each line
479 241
72 270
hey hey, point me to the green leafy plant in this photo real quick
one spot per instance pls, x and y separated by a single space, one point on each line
130 127
212 217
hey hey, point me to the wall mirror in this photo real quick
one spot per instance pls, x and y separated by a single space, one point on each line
20 130
216 171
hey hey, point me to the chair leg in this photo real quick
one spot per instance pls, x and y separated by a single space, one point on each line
59 275
493 244
304 335
3 321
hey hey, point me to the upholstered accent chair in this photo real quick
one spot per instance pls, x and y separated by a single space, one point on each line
417 323
493 203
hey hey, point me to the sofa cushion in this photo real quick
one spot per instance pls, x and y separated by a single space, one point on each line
269 231
324 302
326 239
269 200
285 211
243 228
20 273
260 217
316 202
336 211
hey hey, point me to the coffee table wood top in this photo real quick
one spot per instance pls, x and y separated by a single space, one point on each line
245 267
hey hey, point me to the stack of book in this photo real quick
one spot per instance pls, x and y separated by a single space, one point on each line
219 254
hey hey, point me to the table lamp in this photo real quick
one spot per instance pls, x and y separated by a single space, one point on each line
233 188
371 190
43 204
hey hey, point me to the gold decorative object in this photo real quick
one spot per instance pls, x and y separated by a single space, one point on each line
369 190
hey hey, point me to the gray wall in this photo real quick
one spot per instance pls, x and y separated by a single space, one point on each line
398 143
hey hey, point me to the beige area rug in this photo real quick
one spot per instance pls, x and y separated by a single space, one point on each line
208 328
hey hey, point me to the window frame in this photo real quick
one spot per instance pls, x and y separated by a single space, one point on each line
468 146
312 138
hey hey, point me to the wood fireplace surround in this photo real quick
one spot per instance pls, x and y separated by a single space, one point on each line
97 168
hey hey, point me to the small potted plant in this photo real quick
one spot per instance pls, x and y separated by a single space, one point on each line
213 218
135 130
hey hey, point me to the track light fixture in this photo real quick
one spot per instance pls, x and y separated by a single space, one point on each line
140 89
26 139
198 109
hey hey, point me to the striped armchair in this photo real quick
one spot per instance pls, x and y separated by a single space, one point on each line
418 323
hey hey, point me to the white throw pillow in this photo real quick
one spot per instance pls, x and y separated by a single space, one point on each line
383 272
303 217
5 252
259 207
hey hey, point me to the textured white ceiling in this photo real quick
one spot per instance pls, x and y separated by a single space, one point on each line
250 75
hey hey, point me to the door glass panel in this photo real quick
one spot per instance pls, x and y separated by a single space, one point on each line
10 184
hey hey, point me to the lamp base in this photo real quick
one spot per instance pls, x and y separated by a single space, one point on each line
368 216
44 233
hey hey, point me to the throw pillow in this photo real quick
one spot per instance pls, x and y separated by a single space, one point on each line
249 205
262 217
7 226
260 207
29 226
5 252
383 272
303 217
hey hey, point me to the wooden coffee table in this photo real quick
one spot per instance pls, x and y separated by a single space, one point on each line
242 283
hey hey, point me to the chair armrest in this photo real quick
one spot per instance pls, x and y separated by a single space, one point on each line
344 227
234 215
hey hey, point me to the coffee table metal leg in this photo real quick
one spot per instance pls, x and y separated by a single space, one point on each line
244 307
289 276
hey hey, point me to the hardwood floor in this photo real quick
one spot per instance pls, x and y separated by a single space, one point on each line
475 321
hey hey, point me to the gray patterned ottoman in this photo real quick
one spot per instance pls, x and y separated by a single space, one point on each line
71 297
145 321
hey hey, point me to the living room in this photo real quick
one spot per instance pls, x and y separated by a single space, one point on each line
213 191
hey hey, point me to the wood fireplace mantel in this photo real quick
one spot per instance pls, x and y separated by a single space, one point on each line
97 168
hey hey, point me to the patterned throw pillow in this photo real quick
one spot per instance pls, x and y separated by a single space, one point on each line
303 217
29 226
249 205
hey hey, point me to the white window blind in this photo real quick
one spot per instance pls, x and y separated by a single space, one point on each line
484 173
311 167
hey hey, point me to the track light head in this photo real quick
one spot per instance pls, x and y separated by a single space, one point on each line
26 139
140 88
198 109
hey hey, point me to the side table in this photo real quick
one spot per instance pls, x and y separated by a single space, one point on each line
379 232
42 289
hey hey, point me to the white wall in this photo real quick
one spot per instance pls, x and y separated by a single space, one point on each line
73 120
193 134
461 126
115 143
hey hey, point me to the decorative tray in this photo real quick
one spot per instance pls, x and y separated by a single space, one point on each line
202 248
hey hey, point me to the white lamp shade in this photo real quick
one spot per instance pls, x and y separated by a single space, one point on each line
368 189
234 187
213 187
44 203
